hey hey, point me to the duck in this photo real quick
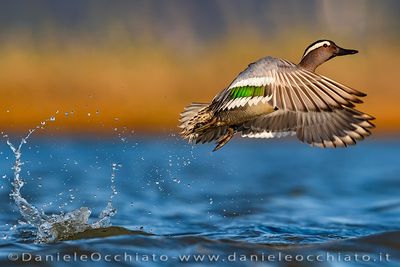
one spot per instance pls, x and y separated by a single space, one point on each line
274 98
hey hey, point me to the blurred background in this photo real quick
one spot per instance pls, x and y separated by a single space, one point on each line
105 68
102 64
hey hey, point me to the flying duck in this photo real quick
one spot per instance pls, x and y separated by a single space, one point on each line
274 97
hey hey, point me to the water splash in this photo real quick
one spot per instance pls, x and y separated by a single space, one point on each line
109 211
55 227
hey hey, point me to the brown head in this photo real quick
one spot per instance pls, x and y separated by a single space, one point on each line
320 52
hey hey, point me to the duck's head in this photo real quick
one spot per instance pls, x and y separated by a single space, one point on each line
320 52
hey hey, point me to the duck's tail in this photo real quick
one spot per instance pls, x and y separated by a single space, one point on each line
199 125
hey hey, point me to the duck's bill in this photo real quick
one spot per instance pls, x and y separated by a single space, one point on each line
343 51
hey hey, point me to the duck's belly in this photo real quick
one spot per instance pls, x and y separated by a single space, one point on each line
243 114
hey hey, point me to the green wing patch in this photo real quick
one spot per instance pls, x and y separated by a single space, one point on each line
247 91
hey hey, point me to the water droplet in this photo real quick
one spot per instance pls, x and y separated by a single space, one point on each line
52 118
211 201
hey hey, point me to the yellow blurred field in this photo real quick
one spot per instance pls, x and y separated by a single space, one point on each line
145 85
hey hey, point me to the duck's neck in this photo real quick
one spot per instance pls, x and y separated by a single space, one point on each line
311 61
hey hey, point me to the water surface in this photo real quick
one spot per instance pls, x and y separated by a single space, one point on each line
254 197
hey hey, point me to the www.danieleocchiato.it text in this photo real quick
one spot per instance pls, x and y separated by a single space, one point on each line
233 257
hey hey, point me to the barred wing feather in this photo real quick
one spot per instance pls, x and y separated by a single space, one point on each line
285 86
338 128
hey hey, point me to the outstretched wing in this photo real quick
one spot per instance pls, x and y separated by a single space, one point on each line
285 86
338 128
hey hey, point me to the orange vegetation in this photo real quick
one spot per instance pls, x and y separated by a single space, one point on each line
145 86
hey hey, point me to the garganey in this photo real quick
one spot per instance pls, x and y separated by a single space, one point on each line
273 97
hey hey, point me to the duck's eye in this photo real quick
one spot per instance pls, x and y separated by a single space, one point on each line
325 45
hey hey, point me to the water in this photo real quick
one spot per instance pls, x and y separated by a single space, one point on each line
253 198
54 227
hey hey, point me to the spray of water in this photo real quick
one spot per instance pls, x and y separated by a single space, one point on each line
55 227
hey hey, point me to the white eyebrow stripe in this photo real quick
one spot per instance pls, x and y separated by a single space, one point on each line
317 45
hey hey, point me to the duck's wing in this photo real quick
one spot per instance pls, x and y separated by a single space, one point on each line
285 86
337 128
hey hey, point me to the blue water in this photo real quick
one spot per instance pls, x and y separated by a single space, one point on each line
253 197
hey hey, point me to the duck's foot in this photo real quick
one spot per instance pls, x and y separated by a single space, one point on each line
224 139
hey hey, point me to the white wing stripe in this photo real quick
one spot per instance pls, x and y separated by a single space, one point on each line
255 100
268 134
241 102
254 81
